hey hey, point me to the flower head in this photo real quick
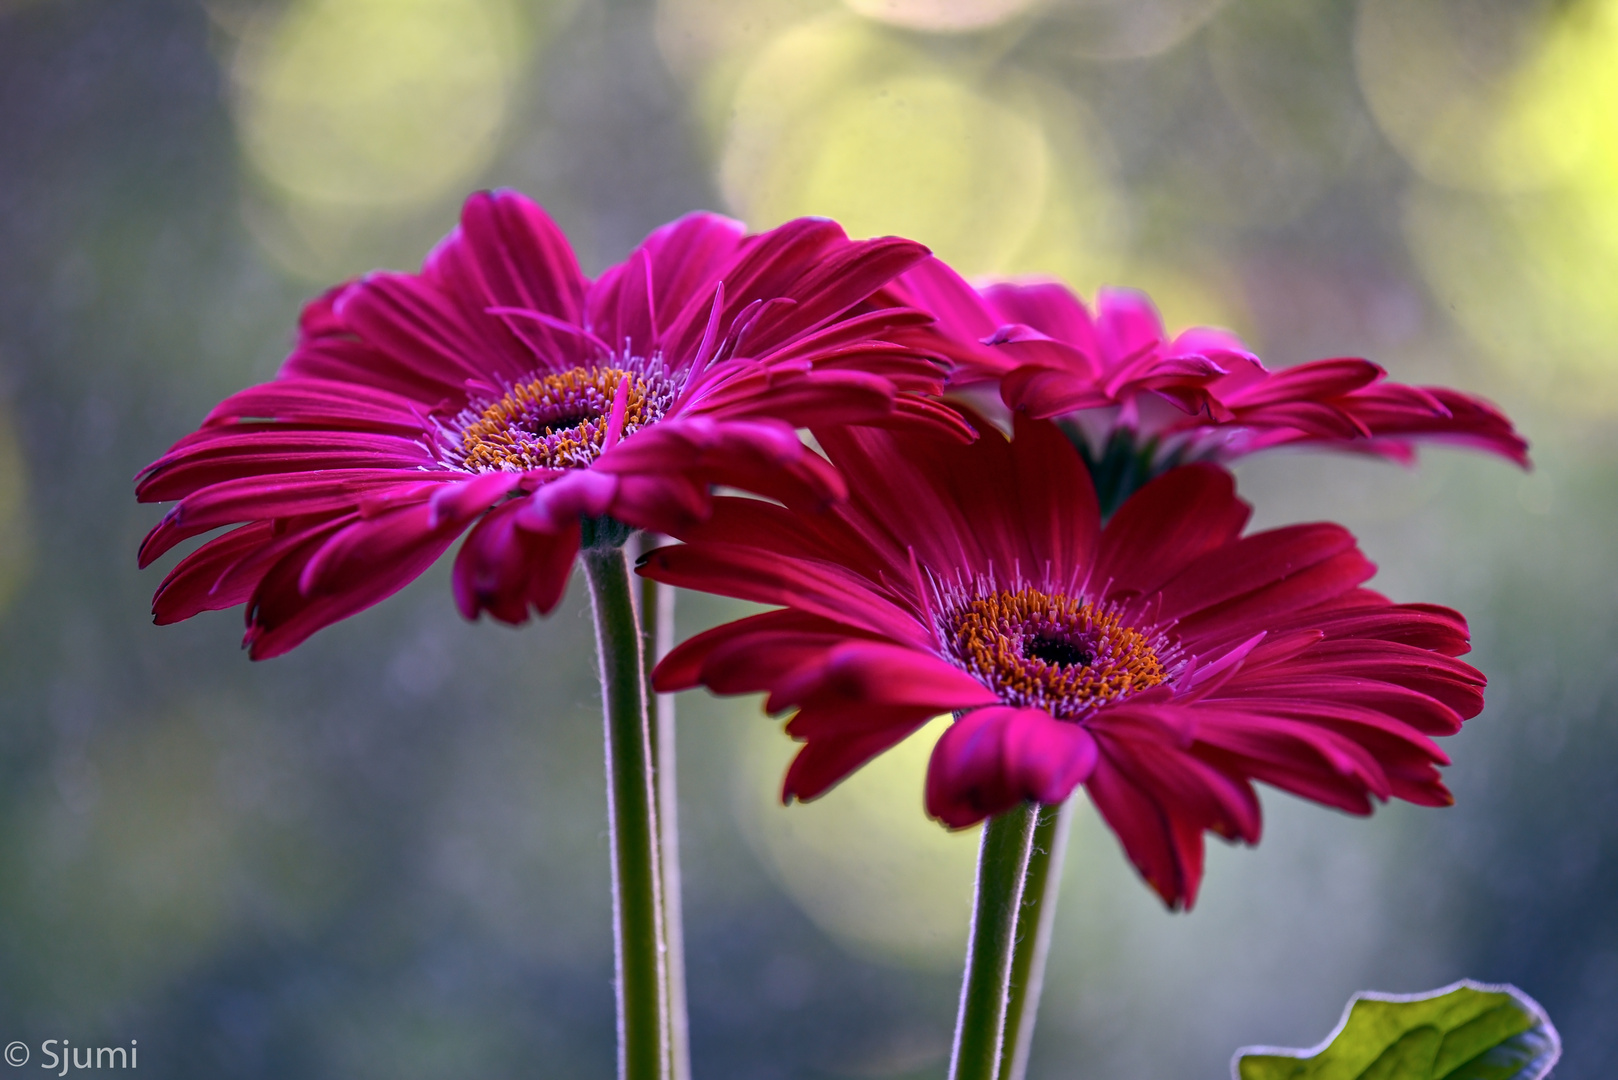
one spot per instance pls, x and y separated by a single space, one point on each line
503 387
1119 385
1164 660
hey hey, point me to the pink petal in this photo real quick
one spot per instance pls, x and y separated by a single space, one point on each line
753 668
1169 859
879 674
1052 309
1181 515
822 763
383 557
509 256
1249 564
995 757
763 577
1127 324
194 585
507 571
578 493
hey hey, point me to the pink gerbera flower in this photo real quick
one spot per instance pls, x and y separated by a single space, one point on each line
1164 661
502 386
1133 399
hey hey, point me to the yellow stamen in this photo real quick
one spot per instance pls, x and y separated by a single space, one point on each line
1052 651
553 421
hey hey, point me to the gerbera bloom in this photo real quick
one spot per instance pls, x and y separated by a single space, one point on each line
1164 661
501 377
1131 398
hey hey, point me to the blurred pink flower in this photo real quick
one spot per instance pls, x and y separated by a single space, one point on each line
1163 661
503 387
1197 397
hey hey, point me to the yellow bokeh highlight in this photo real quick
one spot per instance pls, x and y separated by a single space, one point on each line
834 118
864 861
16 546
1534 281
1564 101
376 103
1531 270
1084 226
1477 96
942 16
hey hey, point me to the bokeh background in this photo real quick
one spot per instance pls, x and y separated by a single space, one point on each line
384 855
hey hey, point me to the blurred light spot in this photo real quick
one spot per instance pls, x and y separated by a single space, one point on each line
941 15
1532 279
1085 223
365 121
1533 274
16 546
377 102
1563 119
835 120
864 861
1457 88
1283 70
695 35
1124 29
322 243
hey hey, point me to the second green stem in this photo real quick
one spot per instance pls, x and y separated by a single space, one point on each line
637 897
1002 868
1035 919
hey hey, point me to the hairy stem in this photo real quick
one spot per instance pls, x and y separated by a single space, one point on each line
637 896
662 611
1035 918
985 988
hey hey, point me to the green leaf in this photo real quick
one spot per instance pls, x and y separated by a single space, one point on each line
1465 1031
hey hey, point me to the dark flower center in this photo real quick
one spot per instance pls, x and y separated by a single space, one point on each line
556 420
1050 651
1055 651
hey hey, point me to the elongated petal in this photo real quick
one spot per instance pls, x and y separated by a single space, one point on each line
823 762
224 572
879 674
394 552
759 576
1251 563
1178 517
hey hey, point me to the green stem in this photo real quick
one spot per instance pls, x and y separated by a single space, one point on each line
1034 922
1002 867
662 612
637 900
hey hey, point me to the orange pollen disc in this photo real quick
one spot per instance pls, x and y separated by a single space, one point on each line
1051 652
554 421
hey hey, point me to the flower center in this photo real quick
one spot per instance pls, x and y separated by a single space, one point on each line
553 421
1051 652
